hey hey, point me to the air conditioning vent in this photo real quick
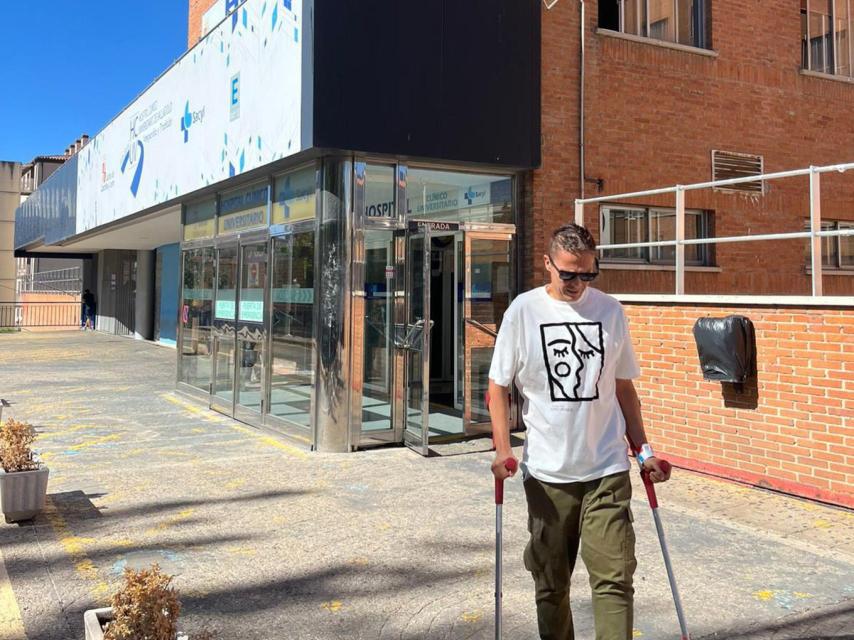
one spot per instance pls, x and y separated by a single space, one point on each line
727 165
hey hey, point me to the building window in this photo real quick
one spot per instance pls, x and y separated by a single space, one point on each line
836 252
826 43
680 21
625 224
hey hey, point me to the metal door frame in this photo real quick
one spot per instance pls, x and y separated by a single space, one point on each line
300 433
237 411
218 404
410 439
241 412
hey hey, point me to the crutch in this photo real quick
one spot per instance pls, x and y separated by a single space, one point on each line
653 505
510 465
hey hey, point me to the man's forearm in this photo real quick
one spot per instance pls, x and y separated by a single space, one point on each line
499 412
630 405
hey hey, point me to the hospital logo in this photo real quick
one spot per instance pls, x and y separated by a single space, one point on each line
471 195
575 354
189 119
234 97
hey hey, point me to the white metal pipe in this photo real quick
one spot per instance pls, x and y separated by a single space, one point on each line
841 168
680 242
815 227
764 236
579 213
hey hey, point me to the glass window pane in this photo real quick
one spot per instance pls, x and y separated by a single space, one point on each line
243 208
459 197
842 30
662 24
634 17
685 21
821 41
294 197
292 374
623 226
196 315
378 329
663 223
253 280
846 246
379 191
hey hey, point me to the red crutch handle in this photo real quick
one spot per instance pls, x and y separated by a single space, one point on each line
647 481
509 464
650 486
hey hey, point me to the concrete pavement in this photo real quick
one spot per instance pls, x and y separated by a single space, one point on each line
268 541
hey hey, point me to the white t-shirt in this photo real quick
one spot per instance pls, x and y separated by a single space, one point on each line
565 358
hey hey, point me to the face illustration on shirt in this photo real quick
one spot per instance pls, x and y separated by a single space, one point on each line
574 353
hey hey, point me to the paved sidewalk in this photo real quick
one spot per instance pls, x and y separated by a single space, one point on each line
267 541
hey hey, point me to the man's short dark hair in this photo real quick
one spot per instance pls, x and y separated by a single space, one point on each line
573 238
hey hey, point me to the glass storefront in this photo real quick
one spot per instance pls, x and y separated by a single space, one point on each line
391 317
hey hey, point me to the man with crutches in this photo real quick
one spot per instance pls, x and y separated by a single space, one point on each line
567 348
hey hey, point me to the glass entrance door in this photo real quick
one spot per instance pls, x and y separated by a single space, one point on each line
415 342
224 329
488 289
251 333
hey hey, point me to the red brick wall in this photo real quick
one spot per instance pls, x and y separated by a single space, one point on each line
653 116
197 10
790 429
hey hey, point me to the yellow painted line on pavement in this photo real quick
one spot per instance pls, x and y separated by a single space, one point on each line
75 547
205 414
92 442
11 623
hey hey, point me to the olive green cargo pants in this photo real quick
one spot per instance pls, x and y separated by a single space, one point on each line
596 516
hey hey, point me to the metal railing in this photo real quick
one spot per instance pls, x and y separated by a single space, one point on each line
815 234
25 315
68 280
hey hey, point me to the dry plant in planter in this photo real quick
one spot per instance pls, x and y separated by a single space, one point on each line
23 481
16 441
146 607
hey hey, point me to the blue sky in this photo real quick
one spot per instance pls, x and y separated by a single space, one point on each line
72 66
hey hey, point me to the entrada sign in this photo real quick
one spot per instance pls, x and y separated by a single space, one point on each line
421 225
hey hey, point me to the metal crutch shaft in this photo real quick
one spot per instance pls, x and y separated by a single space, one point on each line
510 465
653 504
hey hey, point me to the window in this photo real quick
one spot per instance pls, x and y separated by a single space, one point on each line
826 43
836 252
680 21
622 225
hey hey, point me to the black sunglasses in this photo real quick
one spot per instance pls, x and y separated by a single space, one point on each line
569 276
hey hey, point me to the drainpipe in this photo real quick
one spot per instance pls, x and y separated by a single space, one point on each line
581 108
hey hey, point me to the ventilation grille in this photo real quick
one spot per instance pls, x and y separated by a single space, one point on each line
727 165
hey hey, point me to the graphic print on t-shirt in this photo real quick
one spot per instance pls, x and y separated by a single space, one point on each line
574 354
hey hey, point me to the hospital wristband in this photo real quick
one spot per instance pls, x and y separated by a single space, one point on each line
645 453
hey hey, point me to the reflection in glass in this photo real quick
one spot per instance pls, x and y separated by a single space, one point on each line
459 197
378 300
491 286
625 226
292 374
224 315
415 314
663 227
196 317
253 279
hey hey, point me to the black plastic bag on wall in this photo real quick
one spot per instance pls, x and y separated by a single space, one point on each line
727 348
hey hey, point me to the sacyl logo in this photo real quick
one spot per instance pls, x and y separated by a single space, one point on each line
190 118
471 195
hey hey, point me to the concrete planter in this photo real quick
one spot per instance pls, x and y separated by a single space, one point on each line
22 493
94 621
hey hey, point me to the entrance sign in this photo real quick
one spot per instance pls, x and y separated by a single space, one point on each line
421 225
